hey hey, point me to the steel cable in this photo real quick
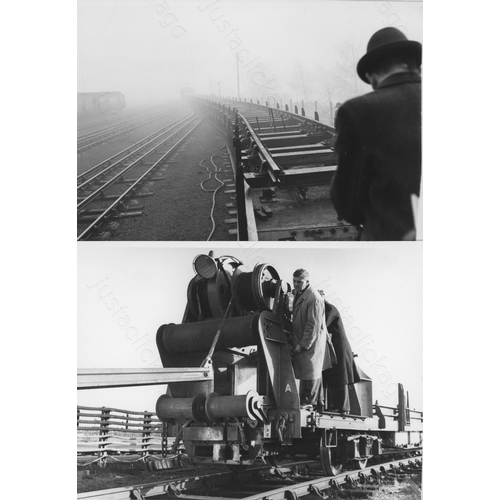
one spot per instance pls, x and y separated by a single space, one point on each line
214 191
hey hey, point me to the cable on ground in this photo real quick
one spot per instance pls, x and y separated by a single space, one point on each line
214 191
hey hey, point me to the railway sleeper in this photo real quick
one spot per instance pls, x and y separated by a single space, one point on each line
99 211
132 181
116 196
85 219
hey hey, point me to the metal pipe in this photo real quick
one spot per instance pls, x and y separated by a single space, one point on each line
198 336
177 408
217 407
210 408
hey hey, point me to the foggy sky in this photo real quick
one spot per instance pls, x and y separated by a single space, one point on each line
150 49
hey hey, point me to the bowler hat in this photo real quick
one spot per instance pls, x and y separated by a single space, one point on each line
383 44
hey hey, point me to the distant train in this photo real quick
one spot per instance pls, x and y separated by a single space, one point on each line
100 102
186 91
236 325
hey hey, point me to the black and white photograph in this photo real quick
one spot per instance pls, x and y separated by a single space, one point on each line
214 362
251 309
249 249
249 120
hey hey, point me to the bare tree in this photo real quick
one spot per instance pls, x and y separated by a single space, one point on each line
346 82
299 80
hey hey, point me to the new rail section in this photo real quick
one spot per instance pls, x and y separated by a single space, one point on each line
284 163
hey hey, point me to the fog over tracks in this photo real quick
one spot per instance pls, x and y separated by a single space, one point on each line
304 51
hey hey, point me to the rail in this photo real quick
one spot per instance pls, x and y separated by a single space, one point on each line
286 111
364 481
84 176
109 431
101 378
108 212
279 151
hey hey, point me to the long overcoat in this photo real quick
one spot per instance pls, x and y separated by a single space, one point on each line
345 370
379 159
309 330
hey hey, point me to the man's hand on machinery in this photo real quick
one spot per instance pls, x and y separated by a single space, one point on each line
298 349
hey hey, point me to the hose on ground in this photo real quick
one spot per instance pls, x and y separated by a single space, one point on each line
216 171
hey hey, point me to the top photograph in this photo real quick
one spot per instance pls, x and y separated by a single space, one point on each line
246 120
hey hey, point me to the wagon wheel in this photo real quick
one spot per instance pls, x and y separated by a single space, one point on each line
328 454
263 278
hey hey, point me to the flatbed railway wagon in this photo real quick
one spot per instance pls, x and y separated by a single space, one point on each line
237 326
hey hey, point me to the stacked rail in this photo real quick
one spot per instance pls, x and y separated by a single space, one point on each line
284 164
109 431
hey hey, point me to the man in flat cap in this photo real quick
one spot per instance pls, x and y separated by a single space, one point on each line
377 183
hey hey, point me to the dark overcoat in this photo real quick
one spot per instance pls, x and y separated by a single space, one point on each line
345 371
309 329
379 159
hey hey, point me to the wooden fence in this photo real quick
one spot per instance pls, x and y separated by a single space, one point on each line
106 431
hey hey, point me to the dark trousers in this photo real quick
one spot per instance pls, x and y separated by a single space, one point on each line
340 398
311 392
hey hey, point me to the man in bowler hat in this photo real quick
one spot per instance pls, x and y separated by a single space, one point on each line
377 183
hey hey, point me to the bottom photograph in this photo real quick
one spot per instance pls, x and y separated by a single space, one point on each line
249 372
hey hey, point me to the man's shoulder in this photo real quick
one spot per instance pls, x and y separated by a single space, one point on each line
331 309
382 93
314 294
385 100
357 101
357 106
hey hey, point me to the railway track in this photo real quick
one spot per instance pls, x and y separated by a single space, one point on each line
98 124
100 121
103 190
93 139
284 163
286 482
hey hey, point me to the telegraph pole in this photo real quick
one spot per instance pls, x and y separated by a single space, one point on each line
238 73
192 65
